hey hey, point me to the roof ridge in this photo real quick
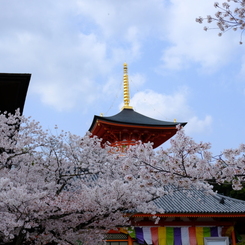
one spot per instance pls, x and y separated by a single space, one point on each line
230 198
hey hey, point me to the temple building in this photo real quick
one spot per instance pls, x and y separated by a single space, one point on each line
13 90
191 217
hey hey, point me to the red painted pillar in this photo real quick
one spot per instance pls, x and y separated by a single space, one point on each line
233 237
130 241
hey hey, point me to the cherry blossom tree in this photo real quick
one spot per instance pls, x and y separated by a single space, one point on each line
230 15
65 189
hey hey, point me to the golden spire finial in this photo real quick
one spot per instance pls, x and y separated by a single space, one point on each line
126 97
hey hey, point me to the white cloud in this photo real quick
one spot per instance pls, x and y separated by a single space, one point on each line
196 125
156 105
68 76
170 107
125 19
68 47
136 80
63 95
73 48
63 61
190 43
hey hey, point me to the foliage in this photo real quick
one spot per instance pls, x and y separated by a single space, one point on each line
241 243
61 189
227 190
230 15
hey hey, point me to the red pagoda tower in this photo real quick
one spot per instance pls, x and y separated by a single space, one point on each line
128 127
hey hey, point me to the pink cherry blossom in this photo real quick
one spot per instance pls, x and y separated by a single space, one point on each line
229 16
65 188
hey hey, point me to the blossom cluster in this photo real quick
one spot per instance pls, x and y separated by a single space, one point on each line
65 188
230 15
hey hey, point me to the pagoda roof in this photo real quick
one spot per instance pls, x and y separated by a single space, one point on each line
131 117
13 90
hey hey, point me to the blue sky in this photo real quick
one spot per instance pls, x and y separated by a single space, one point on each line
75 51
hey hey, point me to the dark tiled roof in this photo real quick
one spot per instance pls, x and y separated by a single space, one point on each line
13 89
131 117
197 201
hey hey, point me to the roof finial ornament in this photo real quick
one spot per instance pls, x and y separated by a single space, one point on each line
126 97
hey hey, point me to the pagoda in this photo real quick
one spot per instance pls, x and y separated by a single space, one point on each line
129 127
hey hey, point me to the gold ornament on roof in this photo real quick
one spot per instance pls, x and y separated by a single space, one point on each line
126 97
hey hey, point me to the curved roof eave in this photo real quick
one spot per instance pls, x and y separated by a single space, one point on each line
131 117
